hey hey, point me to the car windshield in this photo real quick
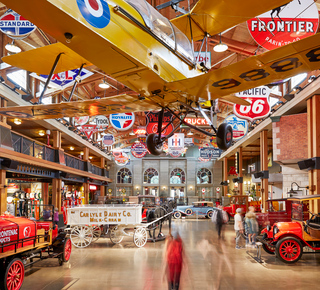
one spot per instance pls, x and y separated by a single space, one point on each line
277 205
163 28
147 200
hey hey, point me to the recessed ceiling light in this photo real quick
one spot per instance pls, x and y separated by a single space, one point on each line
41 133
17 121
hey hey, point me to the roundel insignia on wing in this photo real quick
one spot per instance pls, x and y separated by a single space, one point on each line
96 12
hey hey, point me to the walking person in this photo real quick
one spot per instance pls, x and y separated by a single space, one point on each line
238 226
220 218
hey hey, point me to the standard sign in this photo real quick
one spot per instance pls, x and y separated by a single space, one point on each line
209 153
176 142
102 123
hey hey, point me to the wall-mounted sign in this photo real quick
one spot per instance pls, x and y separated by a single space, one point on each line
239 126
152 122
210 153
88 129
197 121
140 131
65 79
108 140
122 121
203 160
15 26
139 150
213 142
79 121
92 187
188 142
259 108
121 159
233 171
203 57
175 153
288 23
176 142
101 122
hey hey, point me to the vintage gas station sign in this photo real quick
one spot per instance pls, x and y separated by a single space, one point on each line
122 121
197 121
152 122
108 140
259 108
210 153
88 129
15 26
101 122
239 126
288 23
140 131
121 159
139 150
176 142
81 120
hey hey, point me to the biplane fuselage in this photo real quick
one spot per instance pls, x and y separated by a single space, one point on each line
123 47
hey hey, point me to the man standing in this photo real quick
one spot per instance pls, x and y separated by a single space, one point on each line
220 220
238 226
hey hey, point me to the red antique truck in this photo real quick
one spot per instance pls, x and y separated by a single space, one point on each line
25 241
240 201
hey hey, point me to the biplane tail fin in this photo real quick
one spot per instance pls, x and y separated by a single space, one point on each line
41 60
212 17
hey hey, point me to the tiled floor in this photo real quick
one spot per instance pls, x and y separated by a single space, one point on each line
210 266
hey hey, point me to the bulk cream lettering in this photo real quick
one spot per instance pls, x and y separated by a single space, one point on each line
106 216
5 235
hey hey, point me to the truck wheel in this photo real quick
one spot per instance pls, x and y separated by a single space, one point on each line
177 215
67 247
14 275
289 250
269 248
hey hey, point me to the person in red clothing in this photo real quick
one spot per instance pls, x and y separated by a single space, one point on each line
174 260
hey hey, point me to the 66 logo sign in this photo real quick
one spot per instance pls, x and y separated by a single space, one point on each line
259 108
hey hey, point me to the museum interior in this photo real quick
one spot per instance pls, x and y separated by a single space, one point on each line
157 144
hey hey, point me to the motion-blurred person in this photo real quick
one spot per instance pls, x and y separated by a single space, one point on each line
252 225
238 226
174 260
220 218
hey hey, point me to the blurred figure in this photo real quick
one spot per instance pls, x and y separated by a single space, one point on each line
238 227
252 225
56 216
220 218
174 260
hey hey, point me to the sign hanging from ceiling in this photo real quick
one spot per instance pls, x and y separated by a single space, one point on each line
288 23
259 108
108 140
239 126
121 159
79 121
64 79
213 141
88 129
176 142
188 142
15 26
139 150
152 122
203 57
210 153
122 121
101 122
140 131
199 122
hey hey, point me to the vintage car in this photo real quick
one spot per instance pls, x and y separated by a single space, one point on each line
24 241
236 201
287 239
203 208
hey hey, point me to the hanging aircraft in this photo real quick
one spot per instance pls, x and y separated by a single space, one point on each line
132 42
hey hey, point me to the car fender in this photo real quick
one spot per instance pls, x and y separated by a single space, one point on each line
178 210
288 229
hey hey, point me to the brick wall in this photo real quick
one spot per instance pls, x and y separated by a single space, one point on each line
290 140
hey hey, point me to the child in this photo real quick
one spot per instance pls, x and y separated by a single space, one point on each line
56 216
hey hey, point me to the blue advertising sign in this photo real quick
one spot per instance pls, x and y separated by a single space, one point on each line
239 126
210 153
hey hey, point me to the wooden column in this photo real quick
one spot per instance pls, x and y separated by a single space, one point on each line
313 107
56 139
86 192
264 167
86 154
45 193
240 170
225 175
3 192
56 192
102 187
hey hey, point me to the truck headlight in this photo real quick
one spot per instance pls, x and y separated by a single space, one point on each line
275 230
268 228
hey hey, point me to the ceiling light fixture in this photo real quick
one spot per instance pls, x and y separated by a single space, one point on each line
71 148
17 121
11 47
41 133
104 85
190 133
220 47
81 153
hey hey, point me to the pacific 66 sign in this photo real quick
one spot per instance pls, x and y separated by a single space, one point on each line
259 108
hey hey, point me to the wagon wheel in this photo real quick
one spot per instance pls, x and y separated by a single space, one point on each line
115 235
96 231
81 236
140 237
14 275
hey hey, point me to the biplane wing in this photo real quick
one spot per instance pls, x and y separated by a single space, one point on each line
104 106
211 17
278 64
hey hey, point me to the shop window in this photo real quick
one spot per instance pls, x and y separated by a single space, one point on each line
151 175
124 175
204 176
177 176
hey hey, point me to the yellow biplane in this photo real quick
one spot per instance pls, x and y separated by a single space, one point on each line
135 44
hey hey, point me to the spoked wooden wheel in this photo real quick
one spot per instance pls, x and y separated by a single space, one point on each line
81 236
14 275
116 235
96 231
140 237
289 250
67 247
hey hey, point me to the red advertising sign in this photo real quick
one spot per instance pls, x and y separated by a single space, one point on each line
196 121
288 23
259 108
88 129
139 150
152 122
140 131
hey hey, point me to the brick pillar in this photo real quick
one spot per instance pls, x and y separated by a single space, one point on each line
264 166
313 107
3 192
225 175
240 170
56 192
